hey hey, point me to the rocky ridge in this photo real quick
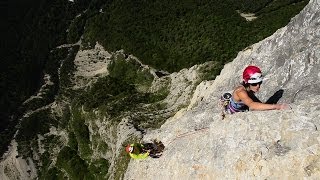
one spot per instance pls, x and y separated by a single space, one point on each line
106 135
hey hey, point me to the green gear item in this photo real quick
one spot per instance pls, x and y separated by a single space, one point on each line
137 152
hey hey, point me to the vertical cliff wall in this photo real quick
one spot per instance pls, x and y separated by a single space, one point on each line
259 144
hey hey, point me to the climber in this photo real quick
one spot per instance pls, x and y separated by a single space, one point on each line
143 150
136 151
243 97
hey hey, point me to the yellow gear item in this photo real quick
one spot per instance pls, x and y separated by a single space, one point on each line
139 156
137 149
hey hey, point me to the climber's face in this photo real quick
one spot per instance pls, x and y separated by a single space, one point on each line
255 86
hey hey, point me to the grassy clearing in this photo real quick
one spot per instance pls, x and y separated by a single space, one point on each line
81 133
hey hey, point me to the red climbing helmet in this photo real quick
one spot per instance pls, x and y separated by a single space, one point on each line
252 74
129 148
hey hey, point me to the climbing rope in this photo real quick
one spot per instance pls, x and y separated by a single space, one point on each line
188 134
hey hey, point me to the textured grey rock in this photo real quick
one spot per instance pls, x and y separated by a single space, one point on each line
90 64
258 144
15 167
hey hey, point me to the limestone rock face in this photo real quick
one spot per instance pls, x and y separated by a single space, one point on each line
89 65
15 167
275 144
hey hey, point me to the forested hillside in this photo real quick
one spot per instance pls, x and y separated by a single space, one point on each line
171 35
33 29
